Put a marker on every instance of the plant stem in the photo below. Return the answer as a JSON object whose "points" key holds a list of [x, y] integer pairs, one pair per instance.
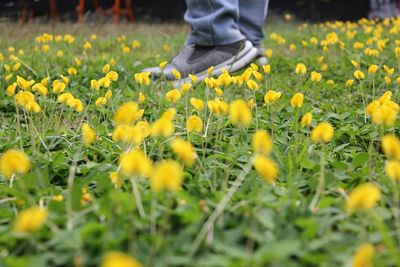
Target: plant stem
{"points": [[321, 184], [387, 239], [218, 210], [138, 199]]}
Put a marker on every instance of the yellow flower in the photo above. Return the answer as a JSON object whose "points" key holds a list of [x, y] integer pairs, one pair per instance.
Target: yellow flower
{"points": [[193, 78], [58, 198], [257, 75], [218, 91], [69, 39], [194, 124], [162, 127], [58, 87], [198, 104], [218, 107], [88, 134], [118, 259], [372, 69], [372, 107], [349, 82], [363, 197], [176, 74], [262, 142], [38, 87], [267, 69], [72, 71], [142, 98], [134, 162], [16, 66], [135, 44], [8, 77], [323, 133], [184, 151], [142, 78], [7, 68], [101, 101], [166, 48], [173, 95], [65, 98], [385, 97], [251, 104], [292, 47], [104, 82], [112, 75], [316, 76], [128, 134], [186, 87], [268, 53], [77, 105], [306, 119], [391, 146], [363, 256], [166, 175], [388, 80], [297, 100], [271, 96], [252, 85], [144, 128], [45, 81], [359, 75], [45, 48], [106, 68], [239, 113], [125, 114], [24, 84], [388, 70], [392, 169], [267, 168], [162, 64], [116, 179], [87, 45], [108, 94], [225, 79], [355, 63], [385, 114], [210, 70], [94, 84], [14, 162], [169, 114], [300, 68], [30, 220], [11, 89]]}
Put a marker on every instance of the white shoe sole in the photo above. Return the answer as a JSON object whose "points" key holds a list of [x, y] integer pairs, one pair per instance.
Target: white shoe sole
{"points": [[245, 56]]}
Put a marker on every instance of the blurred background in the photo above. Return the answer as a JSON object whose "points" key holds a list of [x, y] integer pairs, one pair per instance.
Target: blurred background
{"points": [[172, 10]]}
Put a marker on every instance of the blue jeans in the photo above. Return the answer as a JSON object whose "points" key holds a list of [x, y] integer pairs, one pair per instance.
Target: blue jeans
{"points": [[220, 22]]}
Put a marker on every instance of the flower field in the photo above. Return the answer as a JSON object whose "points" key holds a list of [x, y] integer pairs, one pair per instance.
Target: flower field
{"points": [[294, 163]]}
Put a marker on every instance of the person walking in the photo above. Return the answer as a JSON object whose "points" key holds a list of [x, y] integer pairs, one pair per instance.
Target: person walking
{"points": [[383, 9], [225, 34]]}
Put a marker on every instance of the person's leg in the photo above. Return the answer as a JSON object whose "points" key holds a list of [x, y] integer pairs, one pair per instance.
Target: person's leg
{"points": [[213, 22], [382, 9], [215, 40], [252, 14]]}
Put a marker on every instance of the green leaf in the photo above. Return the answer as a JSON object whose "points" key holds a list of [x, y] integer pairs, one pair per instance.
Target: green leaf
{"points": [[360, 159]]}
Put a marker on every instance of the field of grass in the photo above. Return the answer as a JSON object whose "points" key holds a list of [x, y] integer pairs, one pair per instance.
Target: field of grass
{"points": [[295, 163]]}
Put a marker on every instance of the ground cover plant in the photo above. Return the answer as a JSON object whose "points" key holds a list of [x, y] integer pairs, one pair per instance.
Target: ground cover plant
{"points": [[294, 163]]}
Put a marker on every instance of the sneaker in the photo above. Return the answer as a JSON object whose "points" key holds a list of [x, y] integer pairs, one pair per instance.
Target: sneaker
{"points": [[261, 58], [196, 60]]}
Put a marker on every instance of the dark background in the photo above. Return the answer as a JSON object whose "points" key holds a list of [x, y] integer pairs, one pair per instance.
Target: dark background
{"points": [[172, 10]]}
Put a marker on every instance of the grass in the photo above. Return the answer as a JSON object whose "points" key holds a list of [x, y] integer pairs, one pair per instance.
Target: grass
{"points": [[224, 213]]}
